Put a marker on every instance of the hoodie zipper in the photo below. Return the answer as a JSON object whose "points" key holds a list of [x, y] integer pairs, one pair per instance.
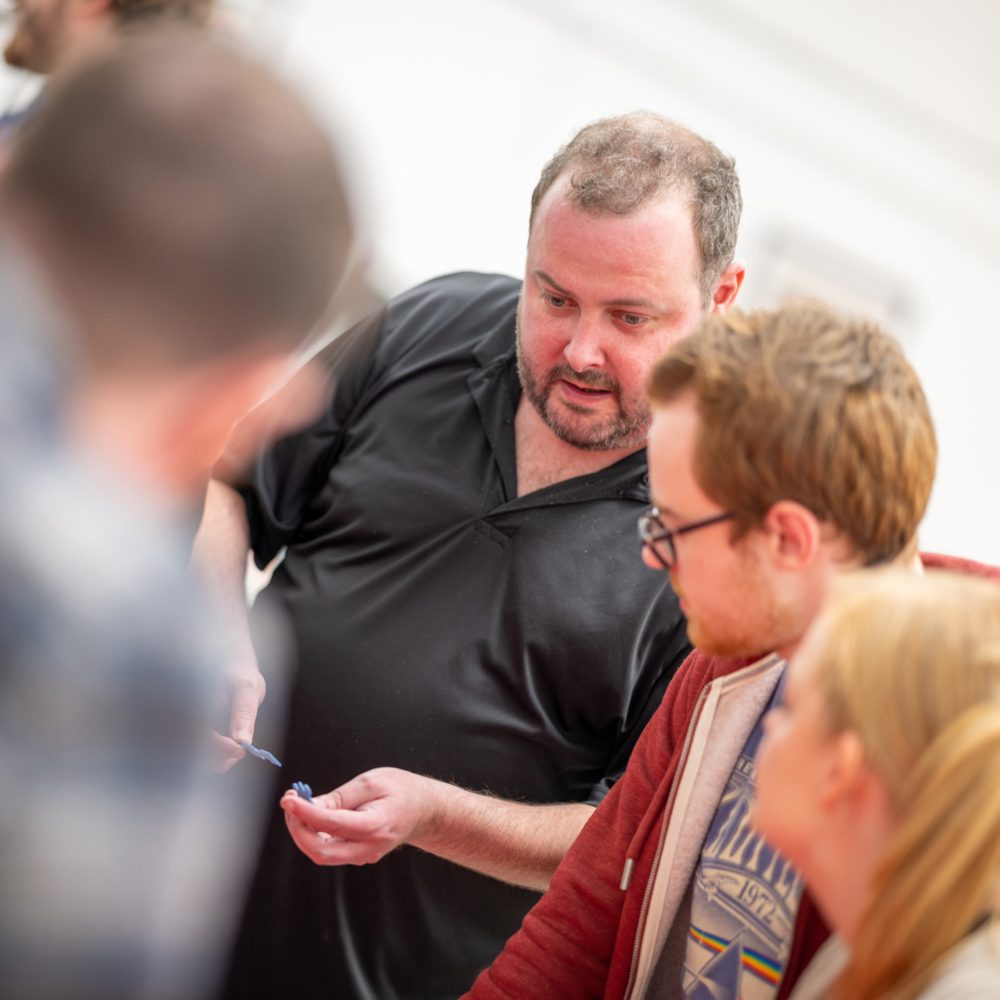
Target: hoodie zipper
{"points": [[667, 809]]}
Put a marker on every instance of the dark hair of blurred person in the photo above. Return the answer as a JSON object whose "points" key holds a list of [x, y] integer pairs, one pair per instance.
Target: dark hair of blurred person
{"points": [[188, 213]]}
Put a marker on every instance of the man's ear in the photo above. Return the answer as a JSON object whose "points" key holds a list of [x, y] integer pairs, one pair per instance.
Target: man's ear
{"points": [[728, 287], [793, 534]]}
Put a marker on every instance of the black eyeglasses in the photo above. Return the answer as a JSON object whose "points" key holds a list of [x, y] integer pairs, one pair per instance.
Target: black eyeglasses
{"points": [[660, 538]]}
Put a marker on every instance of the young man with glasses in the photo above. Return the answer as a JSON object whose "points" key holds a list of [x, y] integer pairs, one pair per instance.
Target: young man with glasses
{"points": [[786, 448]]}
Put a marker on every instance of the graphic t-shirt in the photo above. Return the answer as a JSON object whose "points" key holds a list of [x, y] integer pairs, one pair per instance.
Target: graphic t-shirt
{"points": [[745, 897]]}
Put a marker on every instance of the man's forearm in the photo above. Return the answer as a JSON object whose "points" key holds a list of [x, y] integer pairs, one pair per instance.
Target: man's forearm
{"points": [[376, 812], [512, 841], [219, 556]]}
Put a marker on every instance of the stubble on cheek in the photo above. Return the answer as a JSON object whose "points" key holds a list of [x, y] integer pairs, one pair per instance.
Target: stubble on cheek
{"points": [[579, 425]]}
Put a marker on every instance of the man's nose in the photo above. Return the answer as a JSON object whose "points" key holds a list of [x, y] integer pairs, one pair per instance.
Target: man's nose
{"points": [[585, 347]]}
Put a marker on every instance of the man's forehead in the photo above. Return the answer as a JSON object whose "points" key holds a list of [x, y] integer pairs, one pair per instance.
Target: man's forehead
{"points": [[676, 420], [562, 194], [648, 253], [670, 452]]}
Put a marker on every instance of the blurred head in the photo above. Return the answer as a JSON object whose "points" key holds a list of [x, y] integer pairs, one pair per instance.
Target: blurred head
{"points": [[47, 33], [898, 683], [810, 431], [633, 226], [187, 213]]}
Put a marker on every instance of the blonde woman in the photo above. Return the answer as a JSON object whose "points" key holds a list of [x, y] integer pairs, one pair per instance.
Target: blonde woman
{"points": [[879, 778]]}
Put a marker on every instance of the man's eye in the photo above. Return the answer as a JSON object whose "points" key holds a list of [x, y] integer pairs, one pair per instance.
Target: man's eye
{"points": [[631, 319], [556, 301]]}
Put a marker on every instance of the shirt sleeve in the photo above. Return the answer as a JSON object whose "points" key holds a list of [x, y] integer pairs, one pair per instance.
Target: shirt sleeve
{"points": [[658, 668], [282, 481]]}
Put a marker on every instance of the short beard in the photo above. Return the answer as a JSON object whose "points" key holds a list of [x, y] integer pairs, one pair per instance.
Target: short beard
{"points": [[771, 623], [627, 429]]}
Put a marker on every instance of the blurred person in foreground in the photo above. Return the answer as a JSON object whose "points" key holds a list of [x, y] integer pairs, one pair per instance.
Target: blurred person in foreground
{"points": [[172, 225], [787, 447], [464, 604], [880, 780], [50, 37]]}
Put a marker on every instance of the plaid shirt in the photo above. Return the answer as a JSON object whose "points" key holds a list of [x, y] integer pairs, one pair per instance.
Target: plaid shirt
{"points": [[118, 849]]}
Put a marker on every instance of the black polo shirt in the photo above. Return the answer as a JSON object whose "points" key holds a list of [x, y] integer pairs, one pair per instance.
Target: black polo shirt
{"points": [[515, 645]]}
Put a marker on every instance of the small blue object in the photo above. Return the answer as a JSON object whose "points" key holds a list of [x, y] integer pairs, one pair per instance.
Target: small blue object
{"points": [[303, 790], [257, 752]]}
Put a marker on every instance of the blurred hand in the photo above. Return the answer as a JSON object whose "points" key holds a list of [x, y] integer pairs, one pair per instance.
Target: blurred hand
{"points": [[246, 688], [362, 821]]}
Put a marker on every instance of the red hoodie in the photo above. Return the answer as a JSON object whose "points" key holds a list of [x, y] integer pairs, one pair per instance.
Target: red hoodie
{"points": [[582, 938]]}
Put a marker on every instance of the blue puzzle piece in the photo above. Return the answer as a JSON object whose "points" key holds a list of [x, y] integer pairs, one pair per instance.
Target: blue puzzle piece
{"points": [[257, 752]]}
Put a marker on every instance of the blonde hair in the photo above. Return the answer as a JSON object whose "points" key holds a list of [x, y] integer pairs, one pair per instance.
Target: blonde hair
{"points": [[802, 403], [912, 665]]}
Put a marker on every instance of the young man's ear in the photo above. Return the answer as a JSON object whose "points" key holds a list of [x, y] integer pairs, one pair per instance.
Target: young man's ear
{"points": [[728, 287], [793, 533]]}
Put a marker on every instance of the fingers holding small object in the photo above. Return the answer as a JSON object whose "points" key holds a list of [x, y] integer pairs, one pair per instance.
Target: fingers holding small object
{"points": [[323, 848], [318, 815], [224, 752]]}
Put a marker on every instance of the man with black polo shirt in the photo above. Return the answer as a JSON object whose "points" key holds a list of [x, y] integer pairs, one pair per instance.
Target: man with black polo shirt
{"points": [[455, 577]]}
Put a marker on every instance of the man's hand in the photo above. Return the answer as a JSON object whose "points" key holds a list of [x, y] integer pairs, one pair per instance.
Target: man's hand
{"points": [[219, 559], [245, 687], [362, 821]]}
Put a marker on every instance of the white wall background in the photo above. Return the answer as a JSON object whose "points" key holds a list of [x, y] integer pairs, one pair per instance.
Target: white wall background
{"points": [[867, 136]]}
